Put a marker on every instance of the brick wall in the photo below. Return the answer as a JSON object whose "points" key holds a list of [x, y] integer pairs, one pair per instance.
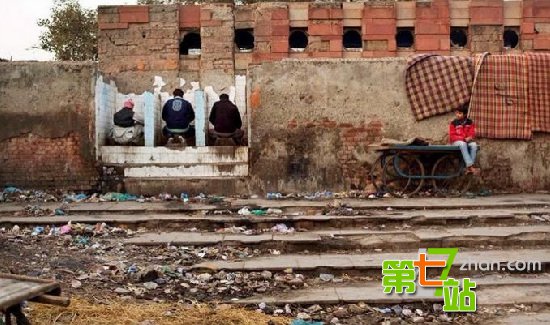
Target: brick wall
{"points": [[138, 42], [48, 130], [35, 161]]}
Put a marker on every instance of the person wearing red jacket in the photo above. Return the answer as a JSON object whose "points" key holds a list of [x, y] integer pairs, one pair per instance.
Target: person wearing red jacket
{"points": [[461, 133]]}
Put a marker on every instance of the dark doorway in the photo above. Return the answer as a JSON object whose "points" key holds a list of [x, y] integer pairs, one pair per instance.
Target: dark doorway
{"points": [[405, 37], [244, 38], [352, 39], [459, 37], [511, 37], [298, 38], [191, 40]]}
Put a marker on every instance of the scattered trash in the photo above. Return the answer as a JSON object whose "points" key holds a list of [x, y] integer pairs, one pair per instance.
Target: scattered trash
{"points": [[184, 197], [37, 231], [118, 197], [282, 228], [274, 211], [273, 196], [244, 212], [326, 277], [259, 212], [76, 284]]}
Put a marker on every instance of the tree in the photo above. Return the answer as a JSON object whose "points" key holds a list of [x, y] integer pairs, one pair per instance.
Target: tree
{"points": [[71, 32]]}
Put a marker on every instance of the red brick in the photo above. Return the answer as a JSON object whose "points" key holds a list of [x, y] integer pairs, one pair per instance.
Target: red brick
{"points": [[279, 14], [336, 45], [487, 3], [190, 16], [336, 13], [426, 44], [379, 12], [319, 13], [528, 9], [541, 12], [279, 46], [487, 16], [426, 27], [280, 30], [133, 14], [324, 29], [527, 28], [431, 12], [380, 29], [105, 26], [244, 14], [540, 43], [262, 30]]}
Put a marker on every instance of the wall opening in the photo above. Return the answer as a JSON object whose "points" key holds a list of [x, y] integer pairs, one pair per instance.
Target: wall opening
{"points": [[510, 37], [405, 37], [244, 39], [298, 38], [352, 39], [191, 44], [459, 37]]}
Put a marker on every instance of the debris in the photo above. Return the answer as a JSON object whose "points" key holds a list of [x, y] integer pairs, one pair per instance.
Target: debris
{"points": [[76, 284], [300, 321], [418, 319], [150, 285], [406, 312], [244, 212], [258, 212], [326, 277], [303, 316], [281, 227], [274, 196], [274, 211], [37, 231]]}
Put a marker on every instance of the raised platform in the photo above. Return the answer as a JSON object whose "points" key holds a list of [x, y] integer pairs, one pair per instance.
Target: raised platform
{"points": [[168, 163]]}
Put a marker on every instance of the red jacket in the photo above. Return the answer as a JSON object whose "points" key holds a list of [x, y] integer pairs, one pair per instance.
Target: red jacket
{"points": [[461, 129]]}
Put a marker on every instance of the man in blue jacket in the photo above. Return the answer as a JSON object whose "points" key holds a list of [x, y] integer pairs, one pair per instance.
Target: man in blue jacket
{"points": [[178, 113]]}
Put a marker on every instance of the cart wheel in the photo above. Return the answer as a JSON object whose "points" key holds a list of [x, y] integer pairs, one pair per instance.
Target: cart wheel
{"points": [[377, 170], [452, 186], [395, 184]]}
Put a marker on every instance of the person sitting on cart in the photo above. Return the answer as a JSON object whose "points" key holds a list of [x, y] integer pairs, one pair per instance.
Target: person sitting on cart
{"points": [[461, 133]]}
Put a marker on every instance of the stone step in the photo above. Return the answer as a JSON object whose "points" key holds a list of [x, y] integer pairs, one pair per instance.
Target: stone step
{"points": [[490, 291], [311, 262], [432, 236], [127, 156], [375, 217], [494, 202]]}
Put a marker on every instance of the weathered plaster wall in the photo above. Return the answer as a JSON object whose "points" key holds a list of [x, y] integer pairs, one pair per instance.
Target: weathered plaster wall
{"points": [[315, 119], [47, 119]]}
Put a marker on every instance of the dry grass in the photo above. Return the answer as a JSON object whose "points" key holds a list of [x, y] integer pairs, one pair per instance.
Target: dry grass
{"points": [[83, 312]]}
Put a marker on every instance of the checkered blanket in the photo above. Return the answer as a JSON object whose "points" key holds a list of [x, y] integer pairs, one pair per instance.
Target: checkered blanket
{"points": [[499, 104], [539, 90], [437, 84]]}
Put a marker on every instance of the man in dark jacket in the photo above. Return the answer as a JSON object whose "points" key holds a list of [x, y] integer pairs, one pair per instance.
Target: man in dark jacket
{"points": [[127, 128], [226, 119], [178, 113]]}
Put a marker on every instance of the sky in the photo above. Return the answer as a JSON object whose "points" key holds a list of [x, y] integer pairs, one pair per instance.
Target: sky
{"points": [[19, 31]]}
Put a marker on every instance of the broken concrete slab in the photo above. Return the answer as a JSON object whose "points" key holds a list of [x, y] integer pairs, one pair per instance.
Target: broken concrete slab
{"points": [[366, 238], [374, 261], [413, 216], [490, 291], [525, 319]]}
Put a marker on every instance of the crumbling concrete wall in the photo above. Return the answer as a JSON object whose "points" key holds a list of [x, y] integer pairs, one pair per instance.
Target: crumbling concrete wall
{"points": [[47, 118], [315, 119]]}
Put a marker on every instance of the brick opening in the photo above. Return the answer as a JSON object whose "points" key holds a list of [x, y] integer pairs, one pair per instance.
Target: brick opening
{"points": [[459, 37], [510, 37], [298, 38], [405, 37], [191, 44], [352, 39], [244, 39]]}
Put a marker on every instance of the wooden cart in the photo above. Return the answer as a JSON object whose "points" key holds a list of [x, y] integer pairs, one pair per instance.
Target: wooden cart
{"points": [[15, 289], [405, 169]]}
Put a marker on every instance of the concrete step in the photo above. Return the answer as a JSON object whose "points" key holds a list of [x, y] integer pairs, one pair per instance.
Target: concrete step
{"points": [[489, 291], [356, 238], [310, 222], [128, 156], [311, 262], [500, 202]]}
